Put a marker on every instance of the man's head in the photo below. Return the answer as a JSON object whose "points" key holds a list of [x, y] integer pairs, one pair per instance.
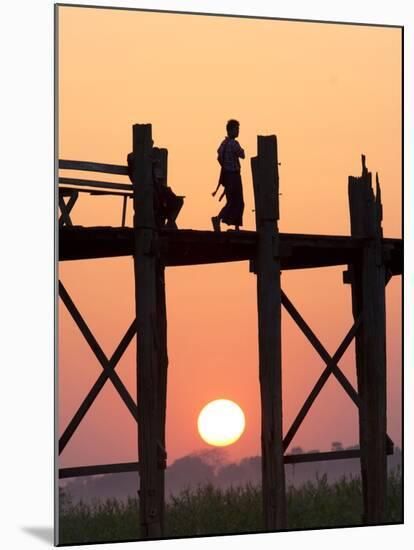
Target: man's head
{"points": [[232, 128]]}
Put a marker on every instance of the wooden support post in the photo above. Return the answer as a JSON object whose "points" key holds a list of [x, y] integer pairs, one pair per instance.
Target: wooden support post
{"points": [[151, 501], [368, 280], [267, 266], [124, 208], [162, 356], [164, 165]]}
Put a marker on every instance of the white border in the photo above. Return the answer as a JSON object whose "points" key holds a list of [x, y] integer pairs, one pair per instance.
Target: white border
{"points": [[26, 217]]}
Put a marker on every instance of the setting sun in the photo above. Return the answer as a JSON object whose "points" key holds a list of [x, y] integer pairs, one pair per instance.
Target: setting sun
{"points": [[221, 422]]}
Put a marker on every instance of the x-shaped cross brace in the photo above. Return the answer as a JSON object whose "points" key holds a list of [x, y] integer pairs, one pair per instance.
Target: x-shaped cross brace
{"points": [[66, 207], [108, 366], [331, 367]]}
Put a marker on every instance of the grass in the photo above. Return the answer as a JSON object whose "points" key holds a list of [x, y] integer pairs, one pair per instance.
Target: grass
{"points": [[208, 510]]}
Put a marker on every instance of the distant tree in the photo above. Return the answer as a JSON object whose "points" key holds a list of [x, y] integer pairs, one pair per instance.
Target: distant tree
{"points": [[336, 446], [314, 451], [296, 451], [252, 469], [186, 472], [230, 474], [215, 458]]}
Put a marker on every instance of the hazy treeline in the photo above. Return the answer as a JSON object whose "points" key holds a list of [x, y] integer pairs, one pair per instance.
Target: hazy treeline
{"points": [[212, 467]]}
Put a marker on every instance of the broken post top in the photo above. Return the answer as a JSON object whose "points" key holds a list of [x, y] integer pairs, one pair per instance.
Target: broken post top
{"points": [[142, 144], [266, 179], [142, 176], [364, 206]]}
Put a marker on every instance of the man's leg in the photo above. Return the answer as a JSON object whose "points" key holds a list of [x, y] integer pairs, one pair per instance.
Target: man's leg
{"points": [[215, 220]]}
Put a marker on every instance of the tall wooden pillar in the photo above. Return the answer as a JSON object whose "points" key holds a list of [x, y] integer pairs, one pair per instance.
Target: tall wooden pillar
{"points": [[162, 356], [267, 268], [368, 280], [151, 339]]}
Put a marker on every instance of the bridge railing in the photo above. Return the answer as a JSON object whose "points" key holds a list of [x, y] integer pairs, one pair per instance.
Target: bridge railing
{"points": [[70, 187]]}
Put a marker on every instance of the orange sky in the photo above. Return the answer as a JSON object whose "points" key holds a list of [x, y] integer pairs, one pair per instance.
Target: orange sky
{"points": [[330, 93]]}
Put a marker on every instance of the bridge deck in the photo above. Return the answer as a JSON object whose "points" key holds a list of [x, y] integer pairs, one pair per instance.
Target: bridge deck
{"points": [[191, 247]]}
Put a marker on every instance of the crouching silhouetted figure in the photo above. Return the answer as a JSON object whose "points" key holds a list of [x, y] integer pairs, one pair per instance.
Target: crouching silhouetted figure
{"points": [[167, 204]]}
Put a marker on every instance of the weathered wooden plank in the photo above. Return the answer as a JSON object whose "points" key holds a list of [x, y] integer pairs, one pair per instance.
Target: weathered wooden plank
{"points": [[145, 245], [321, 457], [267, 262], [368, 279], [93, 167], [99, 469], [162, 366], [124, 208], [67, 191], [162, 356], [325, 456], [106, 193], [95, 183], [189, 247]]}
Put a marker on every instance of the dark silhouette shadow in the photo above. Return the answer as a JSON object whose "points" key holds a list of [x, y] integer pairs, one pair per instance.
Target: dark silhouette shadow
{"points": [[167, 204], [42, 533]]}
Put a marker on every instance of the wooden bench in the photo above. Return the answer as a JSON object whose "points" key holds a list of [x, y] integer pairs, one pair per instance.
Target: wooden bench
{"points": [[69, 188]]}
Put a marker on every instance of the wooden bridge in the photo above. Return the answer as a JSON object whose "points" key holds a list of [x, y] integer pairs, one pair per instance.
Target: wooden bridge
{"points": [[370, 260]]}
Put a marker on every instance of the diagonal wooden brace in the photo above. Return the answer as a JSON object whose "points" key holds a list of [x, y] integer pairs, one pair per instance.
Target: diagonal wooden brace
{"points": [[96, 388], [107, 365], [316, 343], [331, 362], [66, 207]]}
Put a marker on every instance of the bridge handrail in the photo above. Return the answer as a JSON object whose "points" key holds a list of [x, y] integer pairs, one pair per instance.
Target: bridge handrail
{"points": [[94, 183], [93, 167], [89, 166]]}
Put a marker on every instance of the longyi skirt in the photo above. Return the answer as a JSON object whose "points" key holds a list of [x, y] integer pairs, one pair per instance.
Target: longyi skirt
{"points": [[232, 212]]}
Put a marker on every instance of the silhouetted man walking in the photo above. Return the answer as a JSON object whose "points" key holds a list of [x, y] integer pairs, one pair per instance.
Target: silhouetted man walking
{"points": [[229, 154]]}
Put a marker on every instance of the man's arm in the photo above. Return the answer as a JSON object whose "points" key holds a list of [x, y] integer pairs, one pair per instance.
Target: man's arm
{"points": [[238, 150], [217, 188]]}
